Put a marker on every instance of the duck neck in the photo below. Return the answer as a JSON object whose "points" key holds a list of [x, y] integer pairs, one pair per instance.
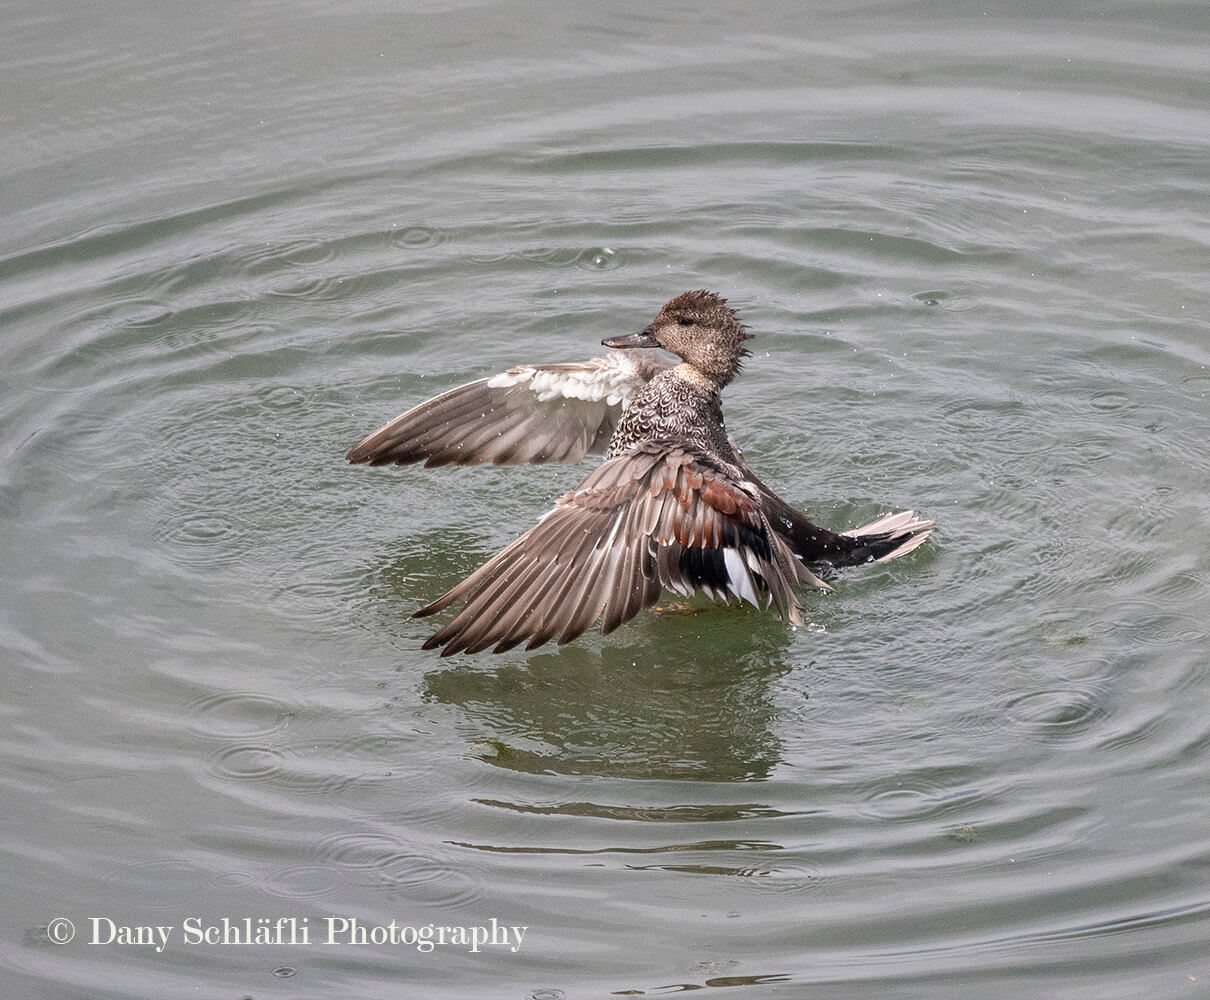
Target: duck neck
{"points": [[683, 407], [712, 382]]}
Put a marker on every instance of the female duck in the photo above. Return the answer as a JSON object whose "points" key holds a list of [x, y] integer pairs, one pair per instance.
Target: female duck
{"points": [[674, 505]]}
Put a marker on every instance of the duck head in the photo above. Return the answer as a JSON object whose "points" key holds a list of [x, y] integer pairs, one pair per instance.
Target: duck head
{"points": [[699, 328]]}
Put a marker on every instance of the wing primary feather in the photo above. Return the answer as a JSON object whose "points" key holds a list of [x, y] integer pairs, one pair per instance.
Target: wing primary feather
{"points": [[533, 607]]}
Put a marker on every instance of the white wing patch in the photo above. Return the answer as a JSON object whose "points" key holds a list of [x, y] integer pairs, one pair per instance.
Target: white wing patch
{"points": [[610, 380], [739, 577]]}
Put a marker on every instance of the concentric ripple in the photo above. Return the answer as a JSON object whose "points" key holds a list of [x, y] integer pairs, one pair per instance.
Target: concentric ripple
{"points": [[240, 715], [249, 762], [916, 797], [1056, 713], [413, 238], [388, 863], [302, 882], [201, 538]]}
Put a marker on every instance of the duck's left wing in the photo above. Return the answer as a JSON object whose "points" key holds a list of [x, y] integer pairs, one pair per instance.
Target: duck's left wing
{"points": [[657, 516], [531, 413]]}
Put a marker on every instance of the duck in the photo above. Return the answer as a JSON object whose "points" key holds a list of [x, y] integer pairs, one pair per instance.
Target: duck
{"points": [[673, 506]]}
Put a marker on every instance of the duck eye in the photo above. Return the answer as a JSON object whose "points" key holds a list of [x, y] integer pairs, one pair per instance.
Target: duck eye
{"points": [[685, 321]]}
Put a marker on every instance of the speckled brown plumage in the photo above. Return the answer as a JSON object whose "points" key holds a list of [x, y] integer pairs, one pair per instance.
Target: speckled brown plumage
{"points": [[674, 505]]}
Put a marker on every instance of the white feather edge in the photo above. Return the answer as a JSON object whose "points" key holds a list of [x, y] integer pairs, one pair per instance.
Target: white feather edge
{"points": [[600, 380]]}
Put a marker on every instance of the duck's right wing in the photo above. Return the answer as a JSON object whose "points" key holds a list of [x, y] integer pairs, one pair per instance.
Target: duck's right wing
{"points": [[531, 413], [654, 517]]}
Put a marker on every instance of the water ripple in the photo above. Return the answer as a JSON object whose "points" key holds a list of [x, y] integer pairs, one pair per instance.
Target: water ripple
{"points": [[320, 288], [1196, 385], [1056, 712], [430, 881], [271, 259], [234, 880], [200, 538], [949, 301], [1139, 728], [240, 714], [411, 238], [302, 882], [248, 762], [328, 767], [600, 259], [915, 797], [387, 862], [793, 880], [363, 851], [155, 882], [647, 814]]}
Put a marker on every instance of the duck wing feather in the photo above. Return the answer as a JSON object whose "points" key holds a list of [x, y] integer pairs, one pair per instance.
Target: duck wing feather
{"points": [[658, 516], [531, 413]]}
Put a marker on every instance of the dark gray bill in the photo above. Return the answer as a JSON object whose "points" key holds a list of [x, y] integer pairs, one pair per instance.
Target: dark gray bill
{"points": [[644, 338]]}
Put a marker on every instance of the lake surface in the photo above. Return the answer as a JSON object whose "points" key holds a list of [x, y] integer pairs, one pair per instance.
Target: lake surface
{"points": [[974, 248]]}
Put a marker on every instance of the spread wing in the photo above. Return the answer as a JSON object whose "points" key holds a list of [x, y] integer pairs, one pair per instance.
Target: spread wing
{"points": [[655, 517], [532, 413]]}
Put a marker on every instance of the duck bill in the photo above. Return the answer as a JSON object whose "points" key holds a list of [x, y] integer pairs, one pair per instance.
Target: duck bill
{"points": [[644, 338]]}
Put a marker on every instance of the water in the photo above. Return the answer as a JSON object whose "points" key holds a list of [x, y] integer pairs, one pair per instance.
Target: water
{"points": [[972, 245]]}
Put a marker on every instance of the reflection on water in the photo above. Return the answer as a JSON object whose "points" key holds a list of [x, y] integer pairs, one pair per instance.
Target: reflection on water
{"points": [[681, 692], [663, 708]]}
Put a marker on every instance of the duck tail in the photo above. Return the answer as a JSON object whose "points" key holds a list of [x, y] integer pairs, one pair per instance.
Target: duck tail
{"points": [[887, 537]]}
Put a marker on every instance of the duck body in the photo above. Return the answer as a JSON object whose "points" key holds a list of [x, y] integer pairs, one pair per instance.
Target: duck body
{"points": [[673, 506]]}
